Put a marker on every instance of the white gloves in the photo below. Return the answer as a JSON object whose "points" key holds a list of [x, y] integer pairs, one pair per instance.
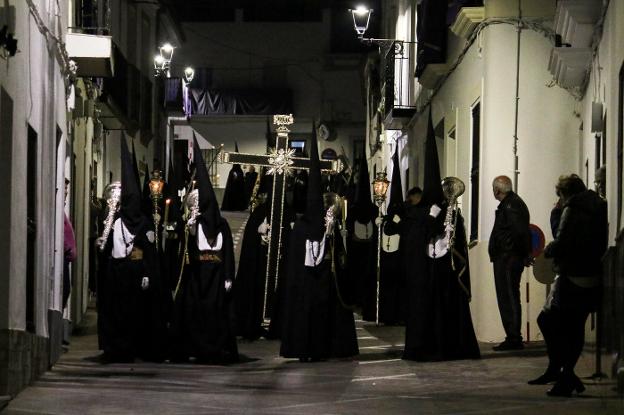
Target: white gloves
{"points": [[378, 221], [228, 285], [99, 242], [264, 227], [145, 283], [435, 211]]}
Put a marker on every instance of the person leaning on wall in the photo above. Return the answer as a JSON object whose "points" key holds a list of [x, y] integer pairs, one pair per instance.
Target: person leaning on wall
{"points": [[579, 244]]}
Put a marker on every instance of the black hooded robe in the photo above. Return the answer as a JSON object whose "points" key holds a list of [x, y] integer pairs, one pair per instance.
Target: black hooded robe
{"points": [[203, 318], [250, 284], [316, 323], [362, 247], [135, 324], [203, 313], [299, 190], [439, 325], [250, 182], [234, 195]]}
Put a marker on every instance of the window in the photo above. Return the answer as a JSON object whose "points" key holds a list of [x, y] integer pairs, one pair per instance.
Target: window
{"points": [[474, 172], [31, 227], [6, 169], [298, 145]]}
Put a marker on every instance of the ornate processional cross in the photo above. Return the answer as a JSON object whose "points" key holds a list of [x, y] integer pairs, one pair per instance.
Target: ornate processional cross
{"points": [[280, 162]]}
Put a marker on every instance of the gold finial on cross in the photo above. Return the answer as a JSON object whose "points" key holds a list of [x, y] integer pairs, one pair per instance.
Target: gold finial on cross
{"points": [[283, 121]]}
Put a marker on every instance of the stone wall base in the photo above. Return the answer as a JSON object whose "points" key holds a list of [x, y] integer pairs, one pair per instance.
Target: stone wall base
{"points": [[23, 357]]}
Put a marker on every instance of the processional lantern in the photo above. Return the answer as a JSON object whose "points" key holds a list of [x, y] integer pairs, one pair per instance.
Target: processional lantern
{"points": [[156, 185], [380, 188]]}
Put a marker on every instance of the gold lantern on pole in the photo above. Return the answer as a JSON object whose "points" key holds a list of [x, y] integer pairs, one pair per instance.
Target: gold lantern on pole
{"points": [[380, 188]]}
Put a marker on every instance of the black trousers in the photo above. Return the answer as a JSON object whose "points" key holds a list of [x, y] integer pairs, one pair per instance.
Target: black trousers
{"points": [[507, 275], [66, 282], [563, 324]]}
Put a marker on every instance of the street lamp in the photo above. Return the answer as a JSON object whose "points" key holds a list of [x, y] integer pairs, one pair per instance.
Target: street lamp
{"points": [[166, 51], [162, 61], [361, 18], [156, 185], [189, 74], [380, 188]]}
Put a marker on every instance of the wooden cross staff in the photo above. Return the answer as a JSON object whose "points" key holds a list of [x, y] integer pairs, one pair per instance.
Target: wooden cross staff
{"points": [[280, 162]]}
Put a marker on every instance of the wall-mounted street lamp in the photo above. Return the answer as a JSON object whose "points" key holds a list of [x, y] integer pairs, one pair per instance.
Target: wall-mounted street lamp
{"points": [[162, 61], [166, 51], [189, 74], [361, 19]]}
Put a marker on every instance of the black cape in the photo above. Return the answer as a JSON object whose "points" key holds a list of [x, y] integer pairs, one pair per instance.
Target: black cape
{"points": [[439, 324], [133, 319], [299, 191], [392, 287], [203, 322], [317, 325], [361, 266], [234, 195], [251, 279]]}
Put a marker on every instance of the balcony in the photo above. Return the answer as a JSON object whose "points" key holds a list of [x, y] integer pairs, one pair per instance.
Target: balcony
{"points": [[92, 53], [467, 20], [574, 23]]}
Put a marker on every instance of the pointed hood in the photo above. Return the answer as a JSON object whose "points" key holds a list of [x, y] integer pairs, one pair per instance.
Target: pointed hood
{"points": [[208, 205], [432, 186], [395, 203], [363, 207], [130, 211], [135, 165], [314, 213]]}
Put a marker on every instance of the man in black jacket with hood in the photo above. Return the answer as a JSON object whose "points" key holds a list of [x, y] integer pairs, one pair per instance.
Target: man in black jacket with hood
{"points": [[509, 248]]}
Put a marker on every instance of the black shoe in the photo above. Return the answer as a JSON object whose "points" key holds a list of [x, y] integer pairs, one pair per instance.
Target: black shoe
{"points": [[546, 378], [565, 386], [507, 345]]}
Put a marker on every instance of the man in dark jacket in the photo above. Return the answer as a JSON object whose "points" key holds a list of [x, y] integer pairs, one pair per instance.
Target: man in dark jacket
{"points": [[509, 249], [577, 250]]}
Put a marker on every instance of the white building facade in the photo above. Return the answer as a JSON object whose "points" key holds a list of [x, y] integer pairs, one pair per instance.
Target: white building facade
{"points": [[570, 57]]}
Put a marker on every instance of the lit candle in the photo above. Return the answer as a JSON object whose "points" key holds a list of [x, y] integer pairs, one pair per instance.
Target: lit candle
{"points": [[344, 212], [167, 203]]}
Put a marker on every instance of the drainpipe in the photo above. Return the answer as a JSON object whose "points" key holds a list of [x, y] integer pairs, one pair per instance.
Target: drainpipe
{"points": [[515, 145]]}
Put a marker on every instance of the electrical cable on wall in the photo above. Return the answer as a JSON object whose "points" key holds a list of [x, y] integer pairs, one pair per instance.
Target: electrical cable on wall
{"points": [[68, 68]]}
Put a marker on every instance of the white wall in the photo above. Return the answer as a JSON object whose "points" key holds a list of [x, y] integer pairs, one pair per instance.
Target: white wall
{"points": [[32, 79], [547, 148]]}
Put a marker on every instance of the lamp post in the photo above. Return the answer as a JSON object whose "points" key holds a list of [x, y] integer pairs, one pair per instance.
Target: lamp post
{"points": [[380, 187], [156, 187]]}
